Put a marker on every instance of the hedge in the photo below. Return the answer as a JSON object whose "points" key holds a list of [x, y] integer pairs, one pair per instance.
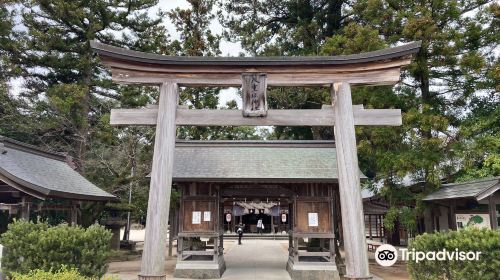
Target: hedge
{"points": [[470, 239], [62, 274], [30, 246]]}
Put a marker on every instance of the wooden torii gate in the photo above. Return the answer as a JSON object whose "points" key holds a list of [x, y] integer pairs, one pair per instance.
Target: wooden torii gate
{"points": [[254, 74]]}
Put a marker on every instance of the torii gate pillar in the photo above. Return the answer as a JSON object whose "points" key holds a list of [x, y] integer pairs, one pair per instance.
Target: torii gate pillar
{"points": [[153, 257], [356, 258]]}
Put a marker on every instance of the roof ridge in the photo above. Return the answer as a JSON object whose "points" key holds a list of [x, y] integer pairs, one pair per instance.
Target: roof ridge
{"points": [[256, 143], [473, 181], [29, 148]]}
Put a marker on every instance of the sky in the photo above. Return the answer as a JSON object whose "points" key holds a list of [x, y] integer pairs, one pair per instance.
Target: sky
{"points": [[227, 48]]}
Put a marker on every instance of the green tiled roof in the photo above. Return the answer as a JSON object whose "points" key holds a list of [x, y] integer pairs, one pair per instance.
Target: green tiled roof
{"points": [[44, 174], [278, 161], [477, 189]]}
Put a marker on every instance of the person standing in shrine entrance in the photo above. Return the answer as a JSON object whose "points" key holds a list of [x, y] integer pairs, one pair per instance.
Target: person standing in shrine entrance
{"points": [[260, 226], [239, 231]]}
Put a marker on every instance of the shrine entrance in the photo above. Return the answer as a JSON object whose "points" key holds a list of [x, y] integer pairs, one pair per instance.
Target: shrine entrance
{"points": [[296, 197], [249, 213], [247, 204], [201, 209]]}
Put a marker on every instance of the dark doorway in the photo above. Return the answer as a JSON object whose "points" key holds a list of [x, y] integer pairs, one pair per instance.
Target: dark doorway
{"points": [[250, 222]]}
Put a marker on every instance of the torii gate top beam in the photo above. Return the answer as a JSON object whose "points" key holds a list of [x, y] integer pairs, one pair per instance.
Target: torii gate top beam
{"points": [[380, 67]]}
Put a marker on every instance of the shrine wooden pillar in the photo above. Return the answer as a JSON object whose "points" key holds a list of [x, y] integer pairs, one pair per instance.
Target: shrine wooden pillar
{"points": [[75, 205], [493, 211], [356, 258], [25, 208], [153, 257]]}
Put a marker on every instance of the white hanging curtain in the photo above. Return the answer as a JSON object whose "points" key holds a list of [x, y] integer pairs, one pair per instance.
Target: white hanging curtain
{"points": [[265, 206]]}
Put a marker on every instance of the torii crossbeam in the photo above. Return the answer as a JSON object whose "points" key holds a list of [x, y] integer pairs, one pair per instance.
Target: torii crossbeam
{"points": [[254, 74]]}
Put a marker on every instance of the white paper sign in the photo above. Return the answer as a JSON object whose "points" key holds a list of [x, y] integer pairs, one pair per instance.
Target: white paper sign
{"points": [[313, 219], [196, 218], [206, 216], [228, 217]]}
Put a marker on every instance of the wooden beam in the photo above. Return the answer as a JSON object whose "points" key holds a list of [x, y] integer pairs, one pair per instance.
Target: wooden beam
{"points": [[388, 76], [153, 257], [356, 258], [493, 211], [208, 117], [452, 212], [25, 208]]}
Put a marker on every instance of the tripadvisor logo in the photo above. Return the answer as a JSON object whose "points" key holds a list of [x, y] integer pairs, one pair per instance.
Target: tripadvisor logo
{"points": [[387, 255]]}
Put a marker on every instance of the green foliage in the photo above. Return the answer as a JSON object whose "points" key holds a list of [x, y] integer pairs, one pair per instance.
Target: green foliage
{"points": [[124, 207], [390, 218], [408, 218], [353, 39], [451, 73], [32, 246], [57, 62], [470, 239], [282, 27], [62, 274]]}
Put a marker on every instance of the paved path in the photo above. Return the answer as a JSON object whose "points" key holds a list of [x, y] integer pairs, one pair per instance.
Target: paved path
{"points": [[257, 260]]}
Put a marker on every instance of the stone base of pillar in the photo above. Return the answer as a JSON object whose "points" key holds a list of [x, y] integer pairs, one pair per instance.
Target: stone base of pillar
{"points": [[312, 270], [341, 268], [371, 277], [150, 277], [200, 269]]}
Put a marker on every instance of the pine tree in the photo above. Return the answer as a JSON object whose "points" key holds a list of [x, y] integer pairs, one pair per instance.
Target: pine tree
{"points": [[447, 95], [289, 27], [451, 72], [11, 123], [67, 89]]}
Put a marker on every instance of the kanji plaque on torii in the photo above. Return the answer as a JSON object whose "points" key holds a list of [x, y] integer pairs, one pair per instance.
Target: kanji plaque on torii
{"points": [[381, 67], [254, 94]]}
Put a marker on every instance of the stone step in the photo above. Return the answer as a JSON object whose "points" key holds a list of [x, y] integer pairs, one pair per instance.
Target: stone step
{"points": [[257, 236]]}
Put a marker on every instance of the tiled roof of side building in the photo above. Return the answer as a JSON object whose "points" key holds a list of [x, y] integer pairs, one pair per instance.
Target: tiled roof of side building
{"points": [[44, 174], [477, 189]]}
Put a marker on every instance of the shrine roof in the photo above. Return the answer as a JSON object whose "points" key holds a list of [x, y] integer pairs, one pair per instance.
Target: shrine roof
{"points": [[149, 58], [477, 189], [44, 174], [252, 161]]}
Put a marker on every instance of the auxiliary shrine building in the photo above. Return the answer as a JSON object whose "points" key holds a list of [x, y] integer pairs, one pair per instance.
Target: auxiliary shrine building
{"points": [[35, 183]]}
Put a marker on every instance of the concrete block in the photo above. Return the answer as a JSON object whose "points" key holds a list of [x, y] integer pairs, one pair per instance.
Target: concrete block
{"points": [[312, 270], [200, 269]]}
